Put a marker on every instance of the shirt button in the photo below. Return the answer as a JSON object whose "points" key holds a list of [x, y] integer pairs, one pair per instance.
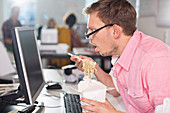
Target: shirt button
{"points": [[130, 106]]}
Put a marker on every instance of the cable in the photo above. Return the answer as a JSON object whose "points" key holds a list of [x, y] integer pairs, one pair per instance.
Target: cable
{"points": [[28, 109], [40, 106], [58, 97], [50, 106]]}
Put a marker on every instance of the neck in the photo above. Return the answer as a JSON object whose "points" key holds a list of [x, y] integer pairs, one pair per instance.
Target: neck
{"points": [[124, 40]]}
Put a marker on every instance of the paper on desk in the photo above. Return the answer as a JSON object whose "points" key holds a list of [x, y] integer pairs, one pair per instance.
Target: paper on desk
{"points": [[8, 87], [14, 111], [5, 63]]}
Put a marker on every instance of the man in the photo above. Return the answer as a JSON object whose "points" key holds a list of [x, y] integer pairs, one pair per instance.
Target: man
{"points": [[8, 25], [141, 74]]}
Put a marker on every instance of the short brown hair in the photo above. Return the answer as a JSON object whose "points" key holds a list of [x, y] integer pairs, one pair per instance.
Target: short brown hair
{"points": [[119, 12]]}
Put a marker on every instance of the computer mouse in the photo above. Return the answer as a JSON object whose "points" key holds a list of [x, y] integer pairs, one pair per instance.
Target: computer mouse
{"points": [[54, 86]]}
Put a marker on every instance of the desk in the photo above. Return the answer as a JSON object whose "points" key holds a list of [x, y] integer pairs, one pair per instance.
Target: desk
{"points": [[81, 51], [56, 75]]}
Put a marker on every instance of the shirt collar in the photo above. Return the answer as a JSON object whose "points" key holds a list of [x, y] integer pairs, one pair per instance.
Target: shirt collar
{"points": [[128, 53]]}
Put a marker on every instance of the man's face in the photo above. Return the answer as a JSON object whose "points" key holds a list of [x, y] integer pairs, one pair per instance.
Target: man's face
{"points": [[102, 39]]}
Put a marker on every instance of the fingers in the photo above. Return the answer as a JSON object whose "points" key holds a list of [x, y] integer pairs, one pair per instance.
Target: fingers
{"points": [[93, 102], [88, 112], [78, 62], [93, 105], [89, 108], [98, 107], [89, 101], [79, 65], [107, 102], [74, 58], [85, 57]]}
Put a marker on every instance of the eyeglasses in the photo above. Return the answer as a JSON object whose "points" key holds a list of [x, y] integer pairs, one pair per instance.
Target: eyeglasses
{"points": [[87, 35]]}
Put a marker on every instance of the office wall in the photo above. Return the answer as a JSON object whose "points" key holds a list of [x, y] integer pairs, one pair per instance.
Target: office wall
{"points": [[149, 20], [57, 9], [148, 26]]}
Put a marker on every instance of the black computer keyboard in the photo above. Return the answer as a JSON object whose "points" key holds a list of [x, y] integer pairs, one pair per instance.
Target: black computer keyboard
{"points": [[72, 103]]}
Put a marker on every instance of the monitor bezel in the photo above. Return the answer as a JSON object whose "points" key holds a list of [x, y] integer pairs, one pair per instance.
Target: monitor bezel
{"points": [[21, 68]]}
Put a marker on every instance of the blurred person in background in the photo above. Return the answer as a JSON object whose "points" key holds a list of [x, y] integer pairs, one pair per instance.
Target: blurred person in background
{"points": [[51, 23], [70, 20], [8, 25]]}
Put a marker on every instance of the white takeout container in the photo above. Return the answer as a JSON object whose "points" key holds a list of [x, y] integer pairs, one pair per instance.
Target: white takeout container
{"points": [[92, 89]]}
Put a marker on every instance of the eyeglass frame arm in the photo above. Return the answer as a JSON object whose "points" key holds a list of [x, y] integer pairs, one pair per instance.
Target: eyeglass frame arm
{"points": [[87, 35]]}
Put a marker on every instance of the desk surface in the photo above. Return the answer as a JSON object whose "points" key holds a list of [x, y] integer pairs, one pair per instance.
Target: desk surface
{"points": [[57, 75], [51, 101]]}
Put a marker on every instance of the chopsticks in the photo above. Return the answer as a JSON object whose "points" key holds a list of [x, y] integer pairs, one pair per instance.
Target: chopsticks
{"points": [[80, 58], [76, 56]]}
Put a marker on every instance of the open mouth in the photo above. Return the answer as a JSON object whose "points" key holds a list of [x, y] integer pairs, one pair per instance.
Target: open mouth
{"points": [[96, 49]]}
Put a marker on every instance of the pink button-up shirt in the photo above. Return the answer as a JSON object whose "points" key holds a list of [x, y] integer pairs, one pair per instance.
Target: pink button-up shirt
{"points": [[143, 73]]}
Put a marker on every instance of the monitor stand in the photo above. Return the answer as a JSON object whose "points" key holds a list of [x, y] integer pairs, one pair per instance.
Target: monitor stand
{"points": [[6, 108], [31, 108], [11, 98]]}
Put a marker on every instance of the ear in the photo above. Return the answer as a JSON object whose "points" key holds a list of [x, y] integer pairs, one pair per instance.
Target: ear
{"points": [[116, 31]]}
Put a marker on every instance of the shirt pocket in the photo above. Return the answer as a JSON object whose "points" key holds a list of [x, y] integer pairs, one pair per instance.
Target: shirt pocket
{"points": [[140, 100]]}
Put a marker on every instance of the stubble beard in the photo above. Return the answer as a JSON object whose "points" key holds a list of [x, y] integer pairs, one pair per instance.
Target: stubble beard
{"points": [[112, 52]]}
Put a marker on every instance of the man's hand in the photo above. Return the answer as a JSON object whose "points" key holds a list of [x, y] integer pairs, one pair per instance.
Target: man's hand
{"points": [[79, 63], [98, 107]]}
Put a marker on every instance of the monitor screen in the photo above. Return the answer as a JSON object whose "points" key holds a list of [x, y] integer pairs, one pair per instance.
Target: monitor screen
{"points": [[49, 36], [28, 63]]}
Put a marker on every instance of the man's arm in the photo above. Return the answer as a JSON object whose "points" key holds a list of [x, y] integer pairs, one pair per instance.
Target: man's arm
{"points": [[101, 76], [5, 31], [106, 79]]}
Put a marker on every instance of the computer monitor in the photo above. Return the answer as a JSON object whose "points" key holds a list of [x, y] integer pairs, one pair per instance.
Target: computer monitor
{"points": [[49, 36], [28, 63]]}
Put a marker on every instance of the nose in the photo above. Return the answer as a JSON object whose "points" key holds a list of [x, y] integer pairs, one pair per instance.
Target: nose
{"points": [[89, 36], [91, 39]]}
